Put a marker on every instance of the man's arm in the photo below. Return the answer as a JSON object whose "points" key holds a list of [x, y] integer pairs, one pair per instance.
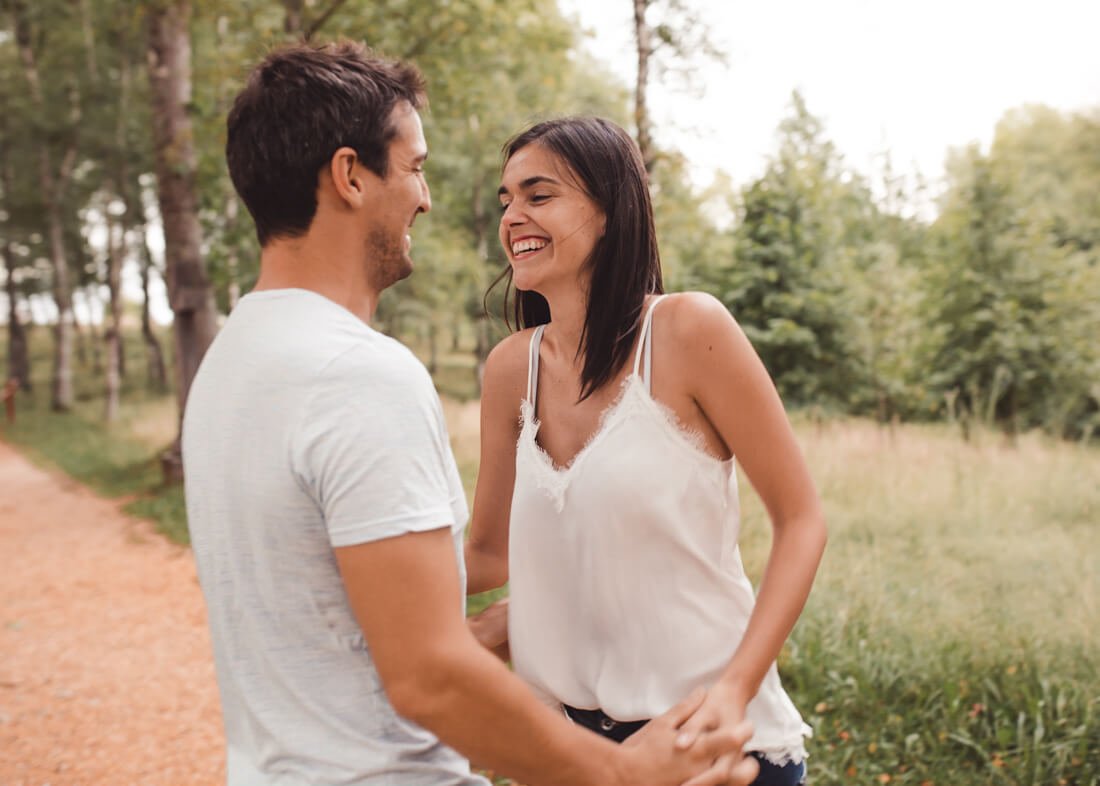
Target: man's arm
{"points": [[406, 594]]}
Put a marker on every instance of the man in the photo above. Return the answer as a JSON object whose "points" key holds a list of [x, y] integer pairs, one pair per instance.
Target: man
{"points": [[325, 508]]}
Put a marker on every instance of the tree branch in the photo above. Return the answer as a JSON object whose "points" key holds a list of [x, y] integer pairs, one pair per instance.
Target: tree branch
{"points": [[320, 21]]}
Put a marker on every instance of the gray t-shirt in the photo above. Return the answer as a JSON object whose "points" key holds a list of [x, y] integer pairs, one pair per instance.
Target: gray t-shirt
{"points": [[306, 430]]}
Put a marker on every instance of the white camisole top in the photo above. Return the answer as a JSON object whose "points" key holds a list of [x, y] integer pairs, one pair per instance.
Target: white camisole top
{"points": [[626, 584]]}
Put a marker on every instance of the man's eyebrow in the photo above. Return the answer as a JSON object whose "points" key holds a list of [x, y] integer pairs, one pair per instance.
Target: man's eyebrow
{"points": [[531, 181], [420, 159]]}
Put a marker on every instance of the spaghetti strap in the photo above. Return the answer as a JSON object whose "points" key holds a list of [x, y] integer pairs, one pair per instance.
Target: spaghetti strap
{"points": [[645, 346], [533, 367]]}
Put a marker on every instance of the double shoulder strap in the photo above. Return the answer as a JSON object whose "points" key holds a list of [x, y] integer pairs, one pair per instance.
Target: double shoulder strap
{"points": [[645, 350]]}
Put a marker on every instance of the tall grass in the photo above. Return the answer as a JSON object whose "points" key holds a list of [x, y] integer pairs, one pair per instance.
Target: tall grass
{"points": [[950, 639], [951, 634]]}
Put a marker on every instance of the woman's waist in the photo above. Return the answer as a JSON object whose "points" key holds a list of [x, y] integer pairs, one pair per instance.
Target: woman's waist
{"points": [[628, 691], [634, 661]]}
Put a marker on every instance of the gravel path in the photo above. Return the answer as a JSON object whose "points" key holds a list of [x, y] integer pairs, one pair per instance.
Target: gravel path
{"points": [[105, 668]]}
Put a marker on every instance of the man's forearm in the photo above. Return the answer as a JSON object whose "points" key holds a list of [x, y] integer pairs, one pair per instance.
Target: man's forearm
{"points": [[473, 703]]}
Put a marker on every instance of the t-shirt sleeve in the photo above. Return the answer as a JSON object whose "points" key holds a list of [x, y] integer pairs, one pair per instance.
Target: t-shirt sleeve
{"points": [[371, 451]]}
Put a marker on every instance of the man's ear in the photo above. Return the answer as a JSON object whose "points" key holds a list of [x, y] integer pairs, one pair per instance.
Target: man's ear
{"points": [[346, 177]]}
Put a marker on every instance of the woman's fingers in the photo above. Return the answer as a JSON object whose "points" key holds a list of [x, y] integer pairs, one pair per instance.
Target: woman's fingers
{"points": [[727, 740], [676, 716]]}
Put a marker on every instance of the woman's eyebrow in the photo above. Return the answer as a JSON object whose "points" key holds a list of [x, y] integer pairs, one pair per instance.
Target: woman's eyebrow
{"points": [[531, 181]]}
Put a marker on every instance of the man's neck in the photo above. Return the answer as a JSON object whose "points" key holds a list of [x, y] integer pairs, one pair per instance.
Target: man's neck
{"points": [[299, 264]]}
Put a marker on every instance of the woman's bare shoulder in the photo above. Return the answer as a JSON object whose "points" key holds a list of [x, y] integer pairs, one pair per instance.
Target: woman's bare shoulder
{"points": [[506, 366], [689, 317]]}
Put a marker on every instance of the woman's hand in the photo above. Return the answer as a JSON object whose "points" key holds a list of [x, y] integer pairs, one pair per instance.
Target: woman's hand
{"points": [[716, 757], [490, 628], [722, 710]]}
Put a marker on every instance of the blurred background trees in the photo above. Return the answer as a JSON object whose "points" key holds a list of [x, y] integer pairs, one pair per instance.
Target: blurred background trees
{"points": [[983, 308]]}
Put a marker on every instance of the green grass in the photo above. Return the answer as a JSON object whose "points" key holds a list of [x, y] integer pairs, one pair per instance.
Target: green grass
{"points": [[950, 637]]}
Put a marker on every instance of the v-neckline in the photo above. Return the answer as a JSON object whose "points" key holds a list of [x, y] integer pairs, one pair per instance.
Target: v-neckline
{"points": [[530, 421]]}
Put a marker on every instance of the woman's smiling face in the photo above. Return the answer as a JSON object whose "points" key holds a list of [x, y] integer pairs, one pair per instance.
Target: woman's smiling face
{"points": [[549, 225]]}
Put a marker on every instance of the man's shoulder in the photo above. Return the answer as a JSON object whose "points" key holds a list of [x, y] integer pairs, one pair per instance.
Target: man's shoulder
{"points": [[375, 358]]}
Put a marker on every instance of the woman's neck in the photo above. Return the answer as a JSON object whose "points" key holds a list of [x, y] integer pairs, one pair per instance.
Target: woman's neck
{"points": [[567, 314]]}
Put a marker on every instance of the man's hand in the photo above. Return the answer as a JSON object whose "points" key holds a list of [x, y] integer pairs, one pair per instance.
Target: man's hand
{"points": [[490, 628], [713, 759], [722, 709]]}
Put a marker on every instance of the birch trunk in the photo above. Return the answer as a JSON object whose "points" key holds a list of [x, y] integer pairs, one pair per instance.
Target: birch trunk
{"points": [[189, 291], [52, 185], [643, 40]]}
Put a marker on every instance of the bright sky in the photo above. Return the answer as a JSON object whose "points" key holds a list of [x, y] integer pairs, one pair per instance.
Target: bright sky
{"points": [[914, 78]]}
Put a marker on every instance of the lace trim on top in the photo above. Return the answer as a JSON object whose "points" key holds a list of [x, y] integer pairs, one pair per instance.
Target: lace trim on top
{"points": [[781, 757], [554, 479]]}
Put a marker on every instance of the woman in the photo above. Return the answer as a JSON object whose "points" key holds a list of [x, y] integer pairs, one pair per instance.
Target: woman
{"points": [[607, 494]]}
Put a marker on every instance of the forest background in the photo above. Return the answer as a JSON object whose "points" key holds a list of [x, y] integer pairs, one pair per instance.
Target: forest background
{"points": [[942, 365]]}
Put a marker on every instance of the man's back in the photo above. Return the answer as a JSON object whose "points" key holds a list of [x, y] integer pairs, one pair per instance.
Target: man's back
{"points": [[290, 436]]}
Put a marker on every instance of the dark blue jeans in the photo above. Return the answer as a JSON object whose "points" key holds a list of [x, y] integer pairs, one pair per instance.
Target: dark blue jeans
{"points": [[791, 774]]}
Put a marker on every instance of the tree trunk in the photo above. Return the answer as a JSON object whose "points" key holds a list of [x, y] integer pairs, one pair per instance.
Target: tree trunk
{"points": [[643, 40], [189, 291], [481, 244], [61, 385], [19, 367], [93, 337], [113, 337], [87, 26], [154, 356], [18, 363], [296, 27], [292, 20], [135, 224], [116, 252], [52, 185], [232, 263]]}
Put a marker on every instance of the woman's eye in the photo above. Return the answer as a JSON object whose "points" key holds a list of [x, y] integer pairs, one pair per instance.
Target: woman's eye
{"points": [[537, 198]]}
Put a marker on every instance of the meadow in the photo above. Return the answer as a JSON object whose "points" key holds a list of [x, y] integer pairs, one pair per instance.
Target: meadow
{"points": [[951, 635]]}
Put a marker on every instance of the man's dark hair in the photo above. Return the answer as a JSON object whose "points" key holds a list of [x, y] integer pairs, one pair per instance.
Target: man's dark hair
{"points": [[625, 263], [300, 105]]}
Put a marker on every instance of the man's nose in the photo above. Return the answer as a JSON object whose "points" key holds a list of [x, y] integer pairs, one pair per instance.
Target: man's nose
{"points": [[425, 199]]}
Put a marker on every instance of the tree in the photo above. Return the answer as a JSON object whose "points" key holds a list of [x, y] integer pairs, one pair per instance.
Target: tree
{"points": [[675, 41], [796, 224], [56, 162], [296, 24], [18, 361], [1048, 162], [189, 291], [990, 339]]}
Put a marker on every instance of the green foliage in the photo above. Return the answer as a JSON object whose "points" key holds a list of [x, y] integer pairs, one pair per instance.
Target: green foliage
{"points": [[1011, 286], [855, 302], [986, 295], [784, 285]]}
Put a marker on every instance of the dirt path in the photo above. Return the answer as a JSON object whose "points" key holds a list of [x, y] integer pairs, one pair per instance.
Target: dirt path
{"points": [[105, 669]]}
